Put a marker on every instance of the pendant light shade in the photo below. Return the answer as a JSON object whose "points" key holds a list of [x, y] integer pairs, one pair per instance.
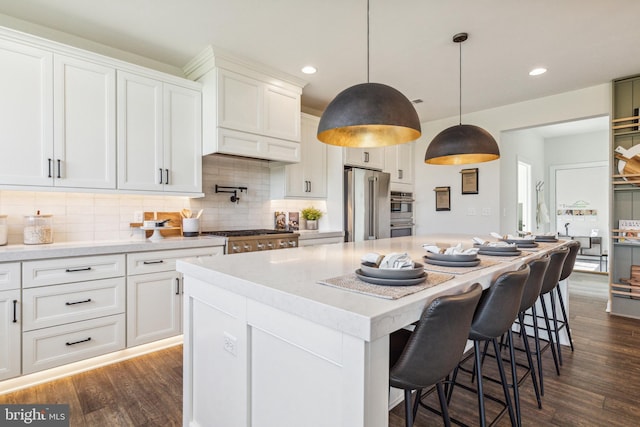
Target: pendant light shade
{"points": [[369, 115], [462, 144]]}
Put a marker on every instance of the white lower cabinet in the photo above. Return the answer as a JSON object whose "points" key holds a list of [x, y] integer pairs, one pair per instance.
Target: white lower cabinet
{"points": [[154, 293], [9, 333], [73, 309], [50, 347], [154, 310]]}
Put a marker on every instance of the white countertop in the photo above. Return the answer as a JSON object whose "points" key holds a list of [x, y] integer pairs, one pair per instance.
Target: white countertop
{"points": [[287, 280], [68, 249]]}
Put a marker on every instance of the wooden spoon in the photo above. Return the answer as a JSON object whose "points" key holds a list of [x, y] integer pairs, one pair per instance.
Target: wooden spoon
{"points": [[186, 213]]}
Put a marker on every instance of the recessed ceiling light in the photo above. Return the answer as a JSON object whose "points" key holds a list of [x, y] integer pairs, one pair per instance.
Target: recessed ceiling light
{"points": [[309, 69], [537, 71]]}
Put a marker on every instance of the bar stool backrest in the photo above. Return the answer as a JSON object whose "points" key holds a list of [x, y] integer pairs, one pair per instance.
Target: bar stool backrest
{"points": [[499, 305], [437, 342], [552, 276], [533, 286], [570, 261]]}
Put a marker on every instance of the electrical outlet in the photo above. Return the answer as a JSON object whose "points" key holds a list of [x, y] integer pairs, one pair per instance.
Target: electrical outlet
{"points": [[486, 211], [137, 216], [471, 211], [230, 344]]}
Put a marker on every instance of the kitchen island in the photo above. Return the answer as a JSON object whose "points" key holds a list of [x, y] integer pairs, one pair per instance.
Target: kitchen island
{"points": [[266, 345]]}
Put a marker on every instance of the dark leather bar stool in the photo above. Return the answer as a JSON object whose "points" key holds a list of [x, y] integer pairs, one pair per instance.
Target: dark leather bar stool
{"points": [[567, 269], [424, 357], [496, 313], [551, 278], [537, 270]]}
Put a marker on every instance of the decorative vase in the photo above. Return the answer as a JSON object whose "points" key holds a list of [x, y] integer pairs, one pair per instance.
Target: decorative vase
{"points": [[312, 224]]}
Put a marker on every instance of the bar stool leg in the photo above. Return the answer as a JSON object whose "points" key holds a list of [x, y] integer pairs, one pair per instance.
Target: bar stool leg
{"points": [[532, 369], [536, 335], [443, 405], [478, 369], [549, 333], [514, 377], [408, 410], [505, 384], [552, 297], [564, 316]]}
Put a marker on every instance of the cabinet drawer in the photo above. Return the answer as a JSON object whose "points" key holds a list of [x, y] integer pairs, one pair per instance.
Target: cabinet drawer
{"points": [[153, 262], [56, 305], [9, 276], [50, 347], [68, 270]]}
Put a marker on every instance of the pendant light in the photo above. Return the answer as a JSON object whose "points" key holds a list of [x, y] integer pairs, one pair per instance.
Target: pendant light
{"points": [[369, 115], [462, 144]]}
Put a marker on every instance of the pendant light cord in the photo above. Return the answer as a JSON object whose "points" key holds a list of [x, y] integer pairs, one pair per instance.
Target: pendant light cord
{"points": [[367, 41], [460, 86]]}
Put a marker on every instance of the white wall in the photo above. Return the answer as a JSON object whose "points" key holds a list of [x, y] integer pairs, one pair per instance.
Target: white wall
{"points": [[589, 102]]}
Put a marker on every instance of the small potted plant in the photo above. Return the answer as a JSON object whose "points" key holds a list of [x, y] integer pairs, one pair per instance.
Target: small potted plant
{"points": [[311, 215]]}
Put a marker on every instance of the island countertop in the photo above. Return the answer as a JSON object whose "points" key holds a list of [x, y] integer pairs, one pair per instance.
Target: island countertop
{"points": [[288, 280]]}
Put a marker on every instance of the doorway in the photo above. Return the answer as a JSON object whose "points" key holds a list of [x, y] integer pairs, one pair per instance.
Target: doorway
{"points": [[523, 215]]}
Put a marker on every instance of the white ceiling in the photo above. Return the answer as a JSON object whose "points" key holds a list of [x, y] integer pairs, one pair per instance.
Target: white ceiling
{"points": [[582, 42]]}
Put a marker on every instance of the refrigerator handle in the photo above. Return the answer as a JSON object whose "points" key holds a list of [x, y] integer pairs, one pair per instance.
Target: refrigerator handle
{"points": [[373, 206]]}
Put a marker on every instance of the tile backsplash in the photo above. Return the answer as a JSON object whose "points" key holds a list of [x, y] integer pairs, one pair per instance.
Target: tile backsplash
{"points": [[95, 216]]}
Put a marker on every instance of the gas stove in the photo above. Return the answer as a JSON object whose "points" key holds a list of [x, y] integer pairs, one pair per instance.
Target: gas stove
{"points": [[244, 233], [239, 241]]}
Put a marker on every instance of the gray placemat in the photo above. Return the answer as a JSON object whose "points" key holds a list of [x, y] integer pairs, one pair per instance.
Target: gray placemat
{"points": [[352, 283], [484, 263]]}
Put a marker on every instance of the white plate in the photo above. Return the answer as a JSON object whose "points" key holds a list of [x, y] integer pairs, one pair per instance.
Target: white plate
{"points": [[391, 282]]}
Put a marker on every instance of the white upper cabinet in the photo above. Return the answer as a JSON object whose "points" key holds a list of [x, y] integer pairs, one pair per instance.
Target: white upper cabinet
{"points": [[307, 179], [249, 110], [370, 158], [26, 128], [159, 143], [84, 149], [58, 129], [399, 163]]}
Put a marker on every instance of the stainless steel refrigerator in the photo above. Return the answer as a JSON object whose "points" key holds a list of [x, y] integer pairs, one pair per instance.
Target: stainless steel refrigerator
{"points": [[367, 205]]}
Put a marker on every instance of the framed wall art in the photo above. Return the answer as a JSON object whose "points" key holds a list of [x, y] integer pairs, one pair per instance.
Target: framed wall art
{"points": [[469, 181], [443, 198]]}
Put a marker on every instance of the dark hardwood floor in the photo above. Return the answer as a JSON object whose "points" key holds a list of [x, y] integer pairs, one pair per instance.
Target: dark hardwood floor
{"points": [[599, 382]]}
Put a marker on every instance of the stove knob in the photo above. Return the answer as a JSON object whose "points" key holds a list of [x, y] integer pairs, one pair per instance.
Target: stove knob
{"points": [[247, 247], [261, 246], [235, 248], [292, 243], [283, 244], [270, 245]]}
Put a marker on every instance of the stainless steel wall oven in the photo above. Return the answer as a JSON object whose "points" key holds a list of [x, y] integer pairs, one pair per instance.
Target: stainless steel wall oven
{"points": [[401, 219]]}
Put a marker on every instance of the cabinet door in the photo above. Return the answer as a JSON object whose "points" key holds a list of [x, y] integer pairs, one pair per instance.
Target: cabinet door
{"points": [[85, 124], [399, 163], [153, 307], [239, 102], [370, 158], [309, 177], [281, 113], [26, 89], [10, 334], [182, 139], [140, 149]]}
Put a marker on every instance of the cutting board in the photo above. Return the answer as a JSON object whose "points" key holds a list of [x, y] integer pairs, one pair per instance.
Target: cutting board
{"points": [[175, 221]]}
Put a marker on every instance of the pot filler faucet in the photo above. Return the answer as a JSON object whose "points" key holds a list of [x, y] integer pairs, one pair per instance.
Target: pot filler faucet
{"points": [[231, 190]]}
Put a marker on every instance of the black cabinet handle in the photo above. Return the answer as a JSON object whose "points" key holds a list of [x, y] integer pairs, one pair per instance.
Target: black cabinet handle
{"points": [[78, 342], [49, 175], [160, 176], [166, 179], [58, 169], [177, 286], [366, 157], [15, 311], [309, 186], [77, 302], [152, 262], [399, 173], [75, 270]]}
